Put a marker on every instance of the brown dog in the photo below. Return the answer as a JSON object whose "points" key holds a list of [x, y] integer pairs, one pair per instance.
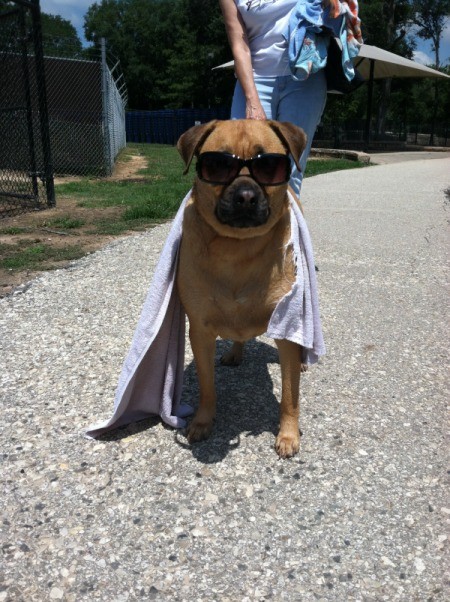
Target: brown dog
{"points": [[233, 266]]}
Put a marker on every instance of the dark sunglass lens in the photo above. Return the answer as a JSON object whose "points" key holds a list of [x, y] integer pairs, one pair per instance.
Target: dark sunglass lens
{"points": [[271, 169], [217, 167]]}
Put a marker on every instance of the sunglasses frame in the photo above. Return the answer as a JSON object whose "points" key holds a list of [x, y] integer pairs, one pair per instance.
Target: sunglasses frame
{"points": [[241, 163]]}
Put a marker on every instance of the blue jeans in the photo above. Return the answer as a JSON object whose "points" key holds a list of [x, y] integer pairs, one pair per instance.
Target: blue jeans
{"points": [[284, 99]]}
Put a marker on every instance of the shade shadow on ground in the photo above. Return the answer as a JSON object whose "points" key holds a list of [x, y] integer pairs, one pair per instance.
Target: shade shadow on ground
{"points": [[246, 404]]}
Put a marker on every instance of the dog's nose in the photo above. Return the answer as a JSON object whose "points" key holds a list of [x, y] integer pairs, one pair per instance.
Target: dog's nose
{"points": [[243, 205], [245, 198]]}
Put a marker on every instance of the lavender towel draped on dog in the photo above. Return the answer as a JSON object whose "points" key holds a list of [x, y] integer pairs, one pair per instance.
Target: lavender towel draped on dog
{"points": [[152, 375]]}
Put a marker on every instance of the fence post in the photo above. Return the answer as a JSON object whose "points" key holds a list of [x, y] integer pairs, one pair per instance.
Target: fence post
{"points": [[42, 99], [27, 88], [174, 127], [105, 120]]}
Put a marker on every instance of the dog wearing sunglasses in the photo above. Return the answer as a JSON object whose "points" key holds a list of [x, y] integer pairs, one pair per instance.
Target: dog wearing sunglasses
{"points": [[234, 263]]}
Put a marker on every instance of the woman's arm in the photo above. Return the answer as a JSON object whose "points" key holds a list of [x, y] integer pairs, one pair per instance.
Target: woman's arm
{"points": [[237, 38]]}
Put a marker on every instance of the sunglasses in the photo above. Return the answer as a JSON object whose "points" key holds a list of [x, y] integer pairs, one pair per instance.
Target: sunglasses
{"points": [[268, 169]]}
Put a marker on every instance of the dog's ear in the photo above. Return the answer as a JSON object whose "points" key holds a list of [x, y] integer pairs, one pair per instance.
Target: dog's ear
{"points": [[191, 141], [292, 136]]}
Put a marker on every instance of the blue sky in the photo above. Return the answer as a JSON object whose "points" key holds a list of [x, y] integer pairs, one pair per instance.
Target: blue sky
{"points": [[74, 11]]}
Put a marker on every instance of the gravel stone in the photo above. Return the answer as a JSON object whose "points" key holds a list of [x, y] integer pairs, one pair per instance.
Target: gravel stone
{"points": [[360, 514]]}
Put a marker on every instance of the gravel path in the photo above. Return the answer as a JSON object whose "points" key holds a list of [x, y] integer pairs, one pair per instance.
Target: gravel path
{"points": [[359, 514]]}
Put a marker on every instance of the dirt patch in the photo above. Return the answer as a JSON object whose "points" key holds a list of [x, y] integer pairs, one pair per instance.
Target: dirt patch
{"points": [[39, 229], [124, 170]]}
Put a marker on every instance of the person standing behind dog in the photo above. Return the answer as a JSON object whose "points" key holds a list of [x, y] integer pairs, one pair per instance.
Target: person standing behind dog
{"points": [[265, 87]]}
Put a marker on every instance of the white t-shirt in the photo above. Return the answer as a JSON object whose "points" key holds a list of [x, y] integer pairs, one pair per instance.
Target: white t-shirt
{"points": [[265, 22]]}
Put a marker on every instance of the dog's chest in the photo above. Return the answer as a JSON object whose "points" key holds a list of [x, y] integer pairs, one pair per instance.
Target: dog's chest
{"points": [[235, 292]]}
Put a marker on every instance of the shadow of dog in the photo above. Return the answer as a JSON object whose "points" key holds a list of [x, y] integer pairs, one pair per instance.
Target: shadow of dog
{"points": [[246, 404]]}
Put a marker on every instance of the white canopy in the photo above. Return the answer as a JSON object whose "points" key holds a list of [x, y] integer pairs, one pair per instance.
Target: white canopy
{"points": [[386, 64]]}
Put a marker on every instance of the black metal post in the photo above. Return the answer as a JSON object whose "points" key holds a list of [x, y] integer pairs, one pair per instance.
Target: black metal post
{"points": [[29, 108], [369, 105], [35, 11]]}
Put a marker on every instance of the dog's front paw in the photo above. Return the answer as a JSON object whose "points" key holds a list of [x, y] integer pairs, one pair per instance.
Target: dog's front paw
{"points": [[287, 444], [199, 430]]}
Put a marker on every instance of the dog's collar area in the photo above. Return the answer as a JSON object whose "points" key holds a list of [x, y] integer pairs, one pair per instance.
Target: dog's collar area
{"points": [[221, 168]]}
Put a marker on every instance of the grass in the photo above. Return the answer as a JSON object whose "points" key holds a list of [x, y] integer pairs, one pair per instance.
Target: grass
{"points": [[65, 223], [12, 231], [138, 203], [158, 195], [155, 196], [321, 166], [36, 256]]}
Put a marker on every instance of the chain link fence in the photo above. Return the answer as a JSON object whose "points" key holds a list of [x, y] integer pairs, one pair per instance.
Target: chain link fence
{"points": [[79, 130], [397, 135], [86, 100], [26, 176]]}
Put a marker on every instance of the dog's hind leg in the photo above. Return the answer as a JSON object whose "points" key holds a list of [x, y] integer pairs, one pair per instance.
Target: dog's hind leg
{"points": [[233, 357], [304, 365], [287, 443]]}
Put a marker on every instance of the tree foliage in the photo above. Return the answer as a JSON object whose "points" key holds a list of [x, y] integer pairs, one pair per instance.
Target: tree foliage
{"points": [[59, 36], [430, 17], [390, 24], [385, 23], [167, 49]]}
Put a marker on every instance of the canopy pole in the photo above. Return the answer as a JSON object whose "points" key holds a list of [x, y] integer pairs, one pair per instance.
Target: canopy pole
{"points": [[369, 104]]}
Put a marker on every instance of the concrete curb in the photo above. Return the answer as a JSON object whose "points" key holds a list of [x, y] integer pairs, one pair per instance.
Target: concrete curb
{"points": [[335, 153], [433, 149]]}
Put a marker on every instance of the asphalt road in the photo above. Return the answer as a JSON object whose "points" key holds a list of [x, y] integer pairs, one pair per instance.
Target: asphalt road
{"points": [[360, 514]]}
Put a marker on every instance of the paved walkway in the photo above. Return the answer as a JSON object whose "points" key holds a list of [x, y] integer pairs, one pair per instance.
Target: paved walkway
{"points": [[402, 157], [359, 514]]}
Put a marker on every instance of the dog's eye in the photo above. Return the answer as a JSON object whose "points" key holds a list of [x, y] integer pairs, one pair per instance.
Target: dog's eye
{"points": [[271, 168], [216, 167]]}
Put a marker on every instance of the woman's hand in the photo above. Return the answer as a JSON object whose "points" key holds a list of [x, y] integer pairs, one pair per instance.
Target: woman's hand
{"points": [[254, 110]]}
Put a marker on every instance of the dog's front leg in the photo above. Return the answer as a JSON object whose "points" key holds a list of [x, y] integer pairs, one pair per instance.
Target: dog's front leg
{"points": [[203, 347], [287, 443]]}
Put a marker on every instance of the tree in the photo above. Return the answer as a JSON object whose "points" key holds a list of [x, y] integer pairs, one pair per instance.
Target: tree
{"points": [[167, 49], [385, 24], [201, 43], [430, 17], [59, 37], [142, 34]]}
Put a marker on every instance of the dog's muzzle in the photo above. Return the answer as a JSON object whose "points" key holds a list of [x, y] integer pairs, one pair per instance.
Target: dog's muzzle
{"points": [[243, 205]]}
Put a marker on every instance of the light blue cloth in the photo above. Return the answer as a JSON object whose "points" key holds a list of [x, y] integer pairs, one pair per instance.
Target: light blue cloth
{"points": [[151, 380], [349, 51], [309, 20], [313, 55], [306, 16]]}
